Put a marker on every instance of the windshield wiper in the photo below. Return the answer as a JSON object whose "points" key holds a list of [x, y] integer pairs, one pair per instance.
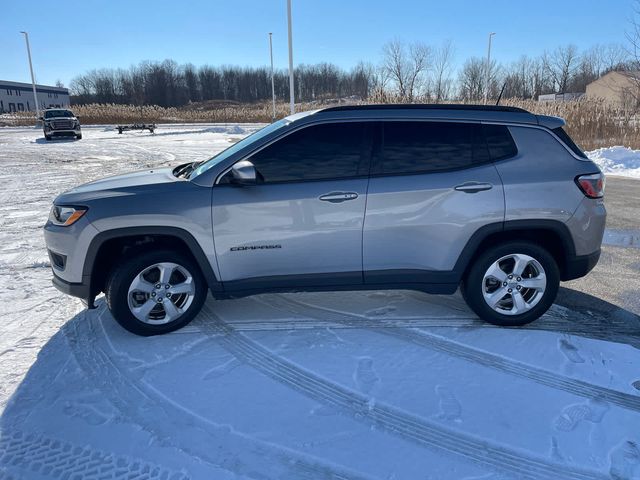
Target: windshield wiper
{"points": [[186, 169]]}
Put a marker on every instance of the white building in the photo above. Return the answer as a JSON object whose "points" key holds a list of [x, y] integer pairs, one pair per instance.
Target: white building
{"points": [[18, 97], [559, 97]]}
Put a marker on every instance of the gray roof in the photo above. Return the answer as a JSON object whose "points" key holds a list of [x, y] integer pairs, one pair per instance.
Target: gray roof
{"points": [[489, 113], [22, 85]]}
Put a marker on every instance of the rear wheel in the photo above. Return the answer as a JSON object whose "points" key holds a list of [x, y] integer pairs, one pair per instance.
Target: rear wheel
{"points": [[512, 284], [156, 292]]}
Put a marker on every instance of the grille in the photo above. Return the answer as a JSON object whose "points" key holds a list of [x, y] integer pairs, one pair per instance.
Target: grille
{"points": [[62, 124]]}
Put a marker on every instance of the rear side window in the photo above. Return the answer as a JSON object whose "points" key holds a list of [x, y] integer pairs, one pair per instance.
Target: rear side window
{"points": [[420, 147], [499, 142], [566, 139], [336, 150]]}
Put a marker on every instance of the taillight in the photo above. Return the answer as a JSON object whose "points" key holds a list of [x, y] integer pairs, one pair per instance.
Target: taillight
{"points": [[591, 185]]}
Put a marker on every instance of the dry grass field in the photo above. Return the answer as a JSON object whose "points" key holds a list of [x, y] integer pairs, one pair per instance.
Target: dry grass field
{"points": [[592, 124]]}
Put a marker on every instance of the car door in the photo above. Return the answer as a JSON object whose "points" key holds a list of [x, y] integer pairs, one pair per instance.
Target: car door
{"points": [[432, 186], [302, 224]]}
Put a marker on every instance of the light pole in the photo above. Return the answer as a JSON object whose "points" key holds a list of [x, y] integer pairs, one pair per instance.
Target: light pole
{"points": [[486, 87], [33, 79], [273, 89], [291, 89]]}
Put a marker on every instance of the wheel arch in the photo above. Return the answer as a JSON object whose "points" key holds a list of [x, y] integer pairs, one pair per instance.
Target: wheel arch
{"points": [[109, 245], [553, 235]]}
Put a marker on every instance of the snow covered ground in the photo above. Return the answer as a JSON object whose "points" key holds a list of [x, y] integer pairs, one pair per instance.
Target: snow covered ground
{"points": [[621, 161], [356, 385]]}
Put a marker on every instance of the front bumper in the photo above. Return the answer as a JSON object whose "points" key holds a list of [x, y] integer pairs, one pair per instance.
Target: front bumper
{"points": [[80, 290], [62, 133]]}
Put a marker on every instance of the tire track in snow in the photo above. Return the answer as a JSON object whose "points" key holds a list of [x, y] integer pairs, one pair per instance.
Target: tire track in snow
{"points": [[62, 460], [388, 418], [465, 352], [166, 420]]}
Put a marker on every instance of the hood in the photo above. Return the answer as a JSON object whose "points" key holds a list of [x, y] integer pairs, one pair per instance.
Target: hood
{"points": [[118, 185]]}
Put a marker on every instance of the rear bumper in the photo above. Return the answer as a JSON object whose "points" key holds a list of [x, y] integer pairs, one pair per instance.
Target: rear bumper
{"points": [[579, 266]]}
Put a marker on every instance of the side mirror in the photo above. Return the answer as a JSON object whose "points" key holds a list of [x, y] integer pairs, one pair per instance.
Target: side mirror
{"points": [[244, 173], [77, 118], [41, 119]]}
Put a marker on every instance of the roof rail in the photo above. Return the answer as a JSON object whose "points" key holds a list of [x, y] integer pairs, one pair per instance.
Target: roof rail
{"points": [[426, 106]]}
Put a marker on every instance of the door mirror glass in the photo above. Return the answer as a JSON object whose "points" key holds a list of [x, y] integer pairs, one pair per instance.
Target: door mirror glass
{"points": [[244, 173]]}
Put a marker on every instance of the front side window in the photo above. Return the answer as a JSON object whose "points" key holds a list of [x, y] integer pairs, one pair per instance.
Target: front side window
{"points": [[422, 147], [335, 150]]}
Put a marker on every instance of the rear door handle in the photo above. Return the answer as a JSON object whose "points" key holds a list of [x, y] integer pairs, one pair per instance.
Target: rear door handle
{"points": [[338, 197], [473, 187]]}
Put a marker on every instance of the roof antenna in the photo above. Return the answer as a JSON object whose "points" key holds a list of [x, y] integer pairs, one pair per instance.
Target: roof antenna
{"points": [[501, 92]]}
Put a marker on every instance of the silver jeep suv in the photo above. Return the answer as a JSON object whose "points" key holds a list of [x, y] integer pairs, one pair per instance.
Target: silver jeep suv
{"points": [[494, 200]]}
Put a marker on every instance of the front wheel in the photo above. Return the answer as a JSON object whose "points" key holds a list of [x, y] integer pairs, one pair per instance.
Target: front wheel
{"points": [[512, 284], [79, 137], [156, 292]]}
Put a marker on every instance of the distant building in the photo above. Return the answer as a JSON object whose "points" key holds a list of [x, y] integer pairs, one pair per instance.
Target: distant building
{"points": [[18, 97], [620, 89], [559, 97]]}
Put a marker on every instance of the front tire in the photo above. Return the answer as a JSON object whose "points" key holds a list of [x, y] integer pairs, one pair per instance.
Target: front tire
{"points": [[47, 138], [156, 292], [79, 137], [512, 284]]}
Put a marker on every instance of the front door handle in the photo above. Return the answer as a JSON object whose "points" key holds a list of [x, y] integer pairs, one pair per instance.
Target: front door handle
{"points": [[338, 197], [473, 187]]}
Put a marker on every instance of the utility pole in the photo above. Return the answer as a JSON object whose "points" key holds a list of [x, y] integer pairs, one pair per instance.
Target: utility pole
{"points": [[291, 89], [273, 88], [486, 86], [33, 78]]}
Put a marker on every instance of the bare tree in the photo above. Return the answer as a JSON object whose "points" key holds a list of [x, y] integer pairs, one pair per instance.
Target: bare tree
{"points": [[442, 71], [561, 65], [407, 67], [471, 79]]}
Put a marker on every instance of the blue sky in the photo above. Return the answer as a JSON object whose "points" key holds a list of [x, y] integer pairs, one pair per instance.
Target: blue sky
{"points": [[88, 34]]}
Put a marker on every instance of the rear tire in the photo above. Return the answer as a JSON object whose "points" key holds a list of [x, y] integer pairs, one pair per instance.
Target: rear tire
{"points": [[512, 284], [156, 292]]}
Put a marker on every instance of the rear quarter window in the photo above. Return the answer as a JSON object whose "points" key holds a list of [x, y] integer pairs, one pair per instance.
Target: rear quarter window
{"points": [[566, 139]]}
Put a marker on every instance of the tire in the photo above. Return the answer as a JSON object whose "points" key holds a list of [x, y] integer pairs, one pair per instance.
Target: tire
{"points": [[47, 138], [150, 292], [79, 137], [523, 301]]}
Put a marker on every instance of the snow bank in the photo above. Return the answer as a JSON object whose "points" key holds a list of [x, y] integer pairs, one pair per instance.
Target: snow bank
{"points": [[618, 160]]}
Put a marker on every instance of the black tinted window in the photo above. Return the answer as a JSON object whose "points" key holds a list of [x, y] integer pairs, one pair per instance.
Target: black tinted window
{"points": [[410, 147], [317, 152], [499, 142], [568, 142]]}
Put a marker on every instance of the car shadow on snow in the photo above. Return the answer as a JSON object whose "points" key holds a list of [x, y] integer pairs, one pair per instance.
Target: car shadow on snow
{"points": [[44, 141], [100, 396]]}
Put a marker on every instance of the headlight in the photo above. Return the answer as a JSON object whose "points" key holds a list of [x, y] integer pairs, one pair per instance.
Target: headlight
{"points": [[65, 216]]}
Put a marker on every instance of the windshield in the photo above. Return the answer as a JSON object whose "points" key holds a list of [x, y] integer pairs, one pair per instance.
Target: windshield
{"points": [[57, 113], [236, 147]]}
